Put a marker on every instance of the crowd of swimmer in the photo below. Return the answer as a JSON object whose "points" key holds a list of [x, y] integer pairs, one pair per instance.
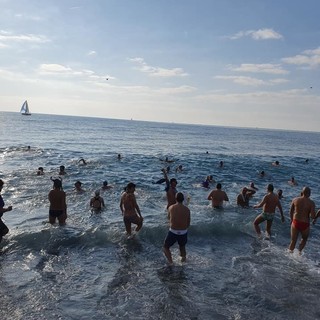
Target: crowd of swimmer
{"points": [[301, 210]]}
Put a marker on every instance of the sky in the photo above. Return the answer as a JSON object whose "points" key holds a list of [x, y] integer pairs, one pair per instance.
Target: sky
{"points": [[239, 63]]}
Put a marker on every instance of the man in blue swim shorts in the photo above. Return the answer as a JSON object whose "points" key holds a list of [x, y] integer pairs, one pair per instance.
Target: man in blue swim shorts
{"points": [[179, 218]]}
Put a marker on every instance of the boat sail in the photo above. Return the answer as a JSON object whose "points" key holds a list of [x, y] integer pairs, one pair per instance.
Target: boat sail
{"points": [[25, 109]]}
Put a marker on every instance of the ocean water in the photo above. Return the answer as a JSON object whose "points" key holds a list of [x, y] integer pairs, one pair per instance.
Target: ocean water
{"points": [[88, 269]]}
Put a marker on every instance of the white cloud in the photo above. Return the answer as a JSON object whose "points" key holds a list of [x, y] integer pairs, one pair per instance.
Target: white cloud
{"points": [[265, 34], [65, 71], [157, 71], [249, 81], [308, 58], [28, 17], [260, 68], [278, 81], [245, 81], [261, 34], [7, 38], [54, 69], [92, 53]]}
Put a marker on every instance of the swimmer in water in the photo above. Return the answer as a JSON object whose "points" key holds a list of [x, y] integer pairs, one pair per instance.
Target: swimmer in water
{"points": [[106, 186], [206, 183], [96, 202], [62, 171], [130, 209], [40, 171], [78, 187], [244, 196], [217, 196], [269, 204], [179, 219], [82, 161], [58, 206], [301, 210], [293, 182], [170, 189]]}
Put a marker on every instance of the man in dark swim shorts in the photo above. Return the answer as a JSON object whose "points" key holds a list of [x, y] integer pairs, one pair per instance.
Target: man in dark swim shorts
{"points": [[58, 206], [55, 213], [179, 217]]}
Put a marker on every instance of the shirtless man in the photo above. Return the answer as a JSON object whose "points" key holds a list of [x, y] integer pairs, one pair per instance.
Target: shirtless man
{"points": [[62, 171], [170, 189], [244, 197], [3, 228], [58, 206], [217, 196], [269, 203], [106, 186], [179, 218], [302, 208], [130, 209]]}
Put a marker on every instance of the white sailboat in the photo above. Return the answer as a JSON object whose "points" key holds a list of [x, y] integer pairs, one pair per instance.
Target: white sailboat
{"points": [[25, 109]]}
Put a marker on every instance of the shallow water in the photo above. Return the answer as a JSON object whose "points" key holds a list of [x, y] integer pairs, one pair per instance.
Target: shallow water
{"points": [[89, 270]]}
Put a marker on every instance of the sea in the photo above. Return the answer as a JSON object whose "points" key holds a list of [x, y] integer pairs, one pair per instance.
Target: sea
{"points": [[89, 269]]}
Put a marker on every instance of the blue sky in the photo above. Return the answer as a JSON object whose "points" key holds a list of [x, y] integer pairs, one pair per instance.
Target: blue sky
{"points": [[243, 63]]}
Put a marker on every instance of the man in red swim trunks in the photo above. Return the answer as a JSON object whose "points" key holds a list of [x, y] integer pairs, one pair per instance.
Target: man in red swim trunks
{"points": [[302, 208]]}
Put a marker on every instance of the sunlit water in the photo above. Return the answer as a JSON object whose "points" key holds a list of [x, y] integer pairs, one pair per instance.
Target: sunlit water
{"points": [[90, 270]]}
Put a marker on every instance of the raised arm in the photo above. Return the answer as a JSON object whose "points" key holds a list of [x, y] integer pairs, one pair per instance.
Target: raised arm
{"points": [[165, 176]]}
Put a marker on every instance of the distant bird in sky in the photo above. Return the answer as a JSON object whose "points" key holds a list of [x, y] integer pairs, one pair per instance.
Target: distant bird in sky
{"points": [[107, 78]]}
